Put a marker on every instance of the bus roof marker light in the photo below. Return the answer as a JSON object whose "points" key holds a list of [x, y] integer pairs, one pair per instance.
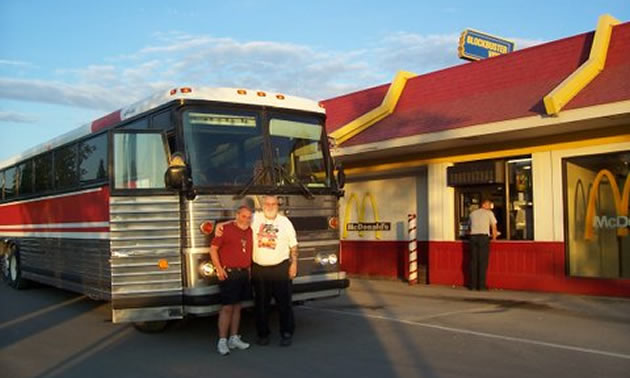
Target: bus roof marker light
{"points": [[185, 90], [173, 91], [241, 91], [261, 94], [280, 97]]}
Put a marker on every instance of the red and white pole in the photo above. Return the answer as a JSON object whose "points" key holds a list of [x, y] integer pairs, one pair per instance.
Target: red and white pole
{"points": [[413, 250]]}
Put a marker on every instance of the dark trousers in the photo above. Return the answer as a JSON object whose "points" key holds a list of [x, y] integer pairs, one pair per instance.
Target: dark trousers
{"points": [[273, 281], [479, 253]]}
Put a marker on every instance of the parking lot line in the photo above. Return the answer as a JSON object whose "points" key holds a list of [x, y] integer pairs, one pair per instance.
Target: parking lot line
{"points": [[475, 333]]}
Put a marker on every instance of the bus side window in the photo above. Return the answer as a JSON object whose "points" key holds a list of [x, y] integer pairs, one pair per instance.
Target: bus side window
{"points": [[139, 124], [43, 173], [9, 187], [93, 159], [140, 161], [66, 167], [172, 146], [25, 178], [1, 185], [162, 121]]}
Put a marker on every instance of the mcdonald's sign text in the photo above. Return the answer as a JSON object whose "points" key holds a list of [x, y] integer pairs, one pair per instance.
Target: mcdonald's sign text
{"points": [[374, 226], [621, 198]]}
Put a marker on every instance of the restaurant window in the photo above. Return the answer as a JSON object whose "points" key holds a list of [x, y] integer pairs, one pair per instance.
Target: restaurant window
{"points": [[596, 215], [507, 183]]}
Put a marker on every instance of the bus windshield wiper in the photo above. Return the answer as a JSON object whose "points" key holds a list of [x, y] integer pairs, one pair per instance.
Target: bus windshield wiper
{"points": [[293, 178], [251, 183]]}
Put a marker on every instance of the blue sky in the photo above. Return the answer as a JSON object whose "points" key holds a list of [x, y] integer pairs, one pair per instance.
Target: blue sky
{"points": [[64, 63]]}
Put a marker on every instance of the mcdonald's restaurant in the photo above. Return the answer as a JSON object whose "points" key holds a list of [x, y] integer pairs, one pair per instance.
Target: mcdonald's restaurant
{"points": [[542, 132]]}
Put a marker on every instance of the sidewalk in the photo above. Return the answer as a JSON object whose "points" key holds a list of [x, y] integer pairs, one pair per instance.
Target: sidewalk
{"points": [[374, 293]]}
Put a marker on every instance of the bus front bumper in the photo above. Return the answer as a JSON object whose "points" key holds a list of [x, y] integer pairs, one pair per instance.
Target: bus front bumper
{"points": [[206, 300]]}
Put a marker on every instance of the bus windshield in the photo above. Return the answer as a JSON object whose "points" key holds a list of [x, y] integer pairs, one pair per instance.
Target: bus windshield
{"points": [[226, 149], [298, 150]]}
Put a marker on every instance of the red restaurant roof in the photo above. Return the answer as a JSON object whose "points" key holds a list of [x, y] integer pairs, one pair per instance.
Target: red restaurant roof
{"points": [[501, 88]]}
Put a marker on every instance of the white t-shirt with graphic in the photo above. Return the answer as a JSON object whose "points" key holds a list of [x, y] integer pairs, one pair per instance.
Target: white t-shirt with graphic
{"points": [[273, 239]]}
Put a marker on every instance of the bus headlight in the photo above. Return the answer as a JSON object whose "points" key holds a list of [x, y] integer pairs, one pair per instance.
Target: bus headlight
{"points": [[326, 259], [332, 259], [206, 269]]}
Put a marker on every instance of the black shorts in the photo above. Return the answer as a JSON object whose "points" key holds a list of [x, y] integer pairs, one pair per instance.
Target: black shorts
{"points": [[236, 288]]}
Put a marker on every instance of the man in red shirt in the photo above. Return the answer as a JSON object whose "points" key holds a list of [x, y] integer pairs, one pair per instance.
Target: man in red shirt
{"points": [[231, 255]]}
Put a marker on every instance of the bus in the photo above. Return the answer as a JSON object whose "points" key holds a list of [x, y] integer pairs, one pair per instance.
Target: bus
{"points": [[123, 209]]}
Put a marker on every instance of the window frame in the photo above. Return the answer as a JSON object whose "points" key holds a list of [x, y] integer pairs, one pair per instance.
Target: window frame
{"points": [[505, 185]]}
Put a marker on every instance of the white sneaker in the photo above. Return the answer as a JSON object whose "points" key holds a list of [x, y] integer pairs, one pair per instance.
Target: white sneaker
{"points": [[222, 347], [235, 342]]}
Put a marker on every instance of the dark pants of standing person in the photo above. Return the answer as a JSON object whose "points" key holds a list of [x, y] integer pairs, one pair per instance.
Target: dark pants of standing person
{"points": [[273, 281], [479, 253]]}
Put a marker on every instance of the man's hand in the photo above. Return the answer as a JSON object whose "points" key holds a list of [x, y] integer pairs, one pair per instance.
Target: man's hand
{"points": [[219, 229], [293, 270], [221, 273]]}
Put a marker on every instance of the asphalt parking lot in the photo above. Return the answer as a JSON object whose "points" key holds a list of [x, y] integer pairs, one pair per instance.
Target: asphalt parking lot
{"points": [[377, 329]]}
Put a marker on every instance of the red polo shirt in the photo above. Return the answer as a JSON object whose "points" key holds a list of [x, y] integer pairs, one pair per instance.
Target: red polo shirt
{"points": [[235, 246]]}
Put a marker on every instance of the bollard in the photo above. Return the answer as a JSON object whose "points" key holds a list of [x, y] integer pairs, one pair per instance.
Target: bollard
{"points": [[413, 250]]}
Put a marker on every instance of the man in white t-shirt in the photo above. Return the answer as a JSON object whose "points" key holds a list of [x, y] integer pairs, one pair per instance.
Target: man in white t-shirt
{"points": [[275, 265]]}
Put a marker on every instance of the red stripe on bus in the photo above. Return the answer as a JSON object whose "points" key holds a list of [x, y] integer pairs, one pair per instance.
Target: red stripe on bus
{"points": [[78, 229], [79, 208], [106, 121]]}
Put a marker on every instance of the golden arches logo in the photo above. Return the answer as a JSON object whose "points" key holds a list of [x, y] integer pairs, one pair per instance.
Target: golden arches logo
{"points": [[360, 212], [622, 199]]}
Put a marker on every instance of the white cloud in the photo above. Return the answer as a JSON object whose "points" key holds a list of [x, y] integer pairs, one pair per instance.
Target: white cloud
{"points": [[8, 116], [16, 63], [175, 58]]}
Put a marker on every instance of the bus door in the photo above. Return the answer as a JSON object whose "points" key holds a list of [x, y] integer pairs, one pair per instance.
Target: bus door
{"points": [[145, 238]]}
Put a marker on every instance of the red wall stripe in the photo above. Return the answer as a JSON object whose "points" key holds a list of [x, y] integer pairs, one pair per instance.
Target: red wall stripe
{"points": [[515, 265]]}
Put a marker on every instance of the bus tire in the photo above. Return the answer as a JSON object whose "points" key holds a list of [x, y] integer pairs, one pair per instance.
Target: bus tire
{"points": [[11, 269], [151, 327]]}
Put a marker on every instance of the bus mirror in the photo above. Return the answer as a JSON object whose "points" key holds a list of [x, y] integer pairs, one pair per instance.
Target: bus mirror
{"points": [[341, 176], [176, 176]]}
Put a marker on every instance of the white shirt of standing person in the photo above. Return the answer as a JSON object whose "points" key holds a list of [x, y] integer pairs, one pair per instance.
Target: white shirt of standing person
{"points": [[273, 239]]}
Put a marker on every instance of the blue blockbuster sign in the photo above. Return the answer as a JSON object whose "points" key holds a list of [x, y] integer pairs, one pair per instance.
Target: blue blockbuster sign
{"points": [[474, 45]]}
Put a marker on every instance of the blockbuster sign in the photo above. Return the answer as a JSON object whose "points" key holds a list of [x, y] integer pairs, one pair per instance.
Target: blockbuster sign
{"points": [[475, 45]]}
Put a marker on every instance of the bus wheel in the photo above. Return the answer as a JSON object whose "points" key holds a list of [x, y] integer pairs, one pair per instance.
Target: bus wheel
{"points": [[11, 271], [151, 327]]}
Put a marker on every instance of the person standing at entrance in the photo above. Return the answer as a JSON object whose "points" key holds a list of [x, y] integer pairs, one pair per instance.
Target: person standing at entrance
{"points": [[483, 223], [231, 254], [275, 266]]}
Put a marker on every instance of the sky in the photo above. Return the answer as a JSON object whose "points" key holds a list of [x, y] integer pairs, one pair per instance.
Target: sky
{"points": [[64, 63]]}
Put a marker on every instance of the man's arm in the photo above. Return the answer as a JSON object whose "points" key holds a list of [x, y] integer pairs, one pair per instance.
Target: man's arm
{"points": [[495, 232], [493, 226], [214, 255], [294, 261], [293, 245]]}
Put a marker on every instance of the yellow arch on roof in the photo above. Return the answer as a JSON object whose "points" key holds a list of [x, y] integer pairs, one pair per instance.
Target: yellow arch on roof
{"points": [[386, 108], [580, 78]]}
